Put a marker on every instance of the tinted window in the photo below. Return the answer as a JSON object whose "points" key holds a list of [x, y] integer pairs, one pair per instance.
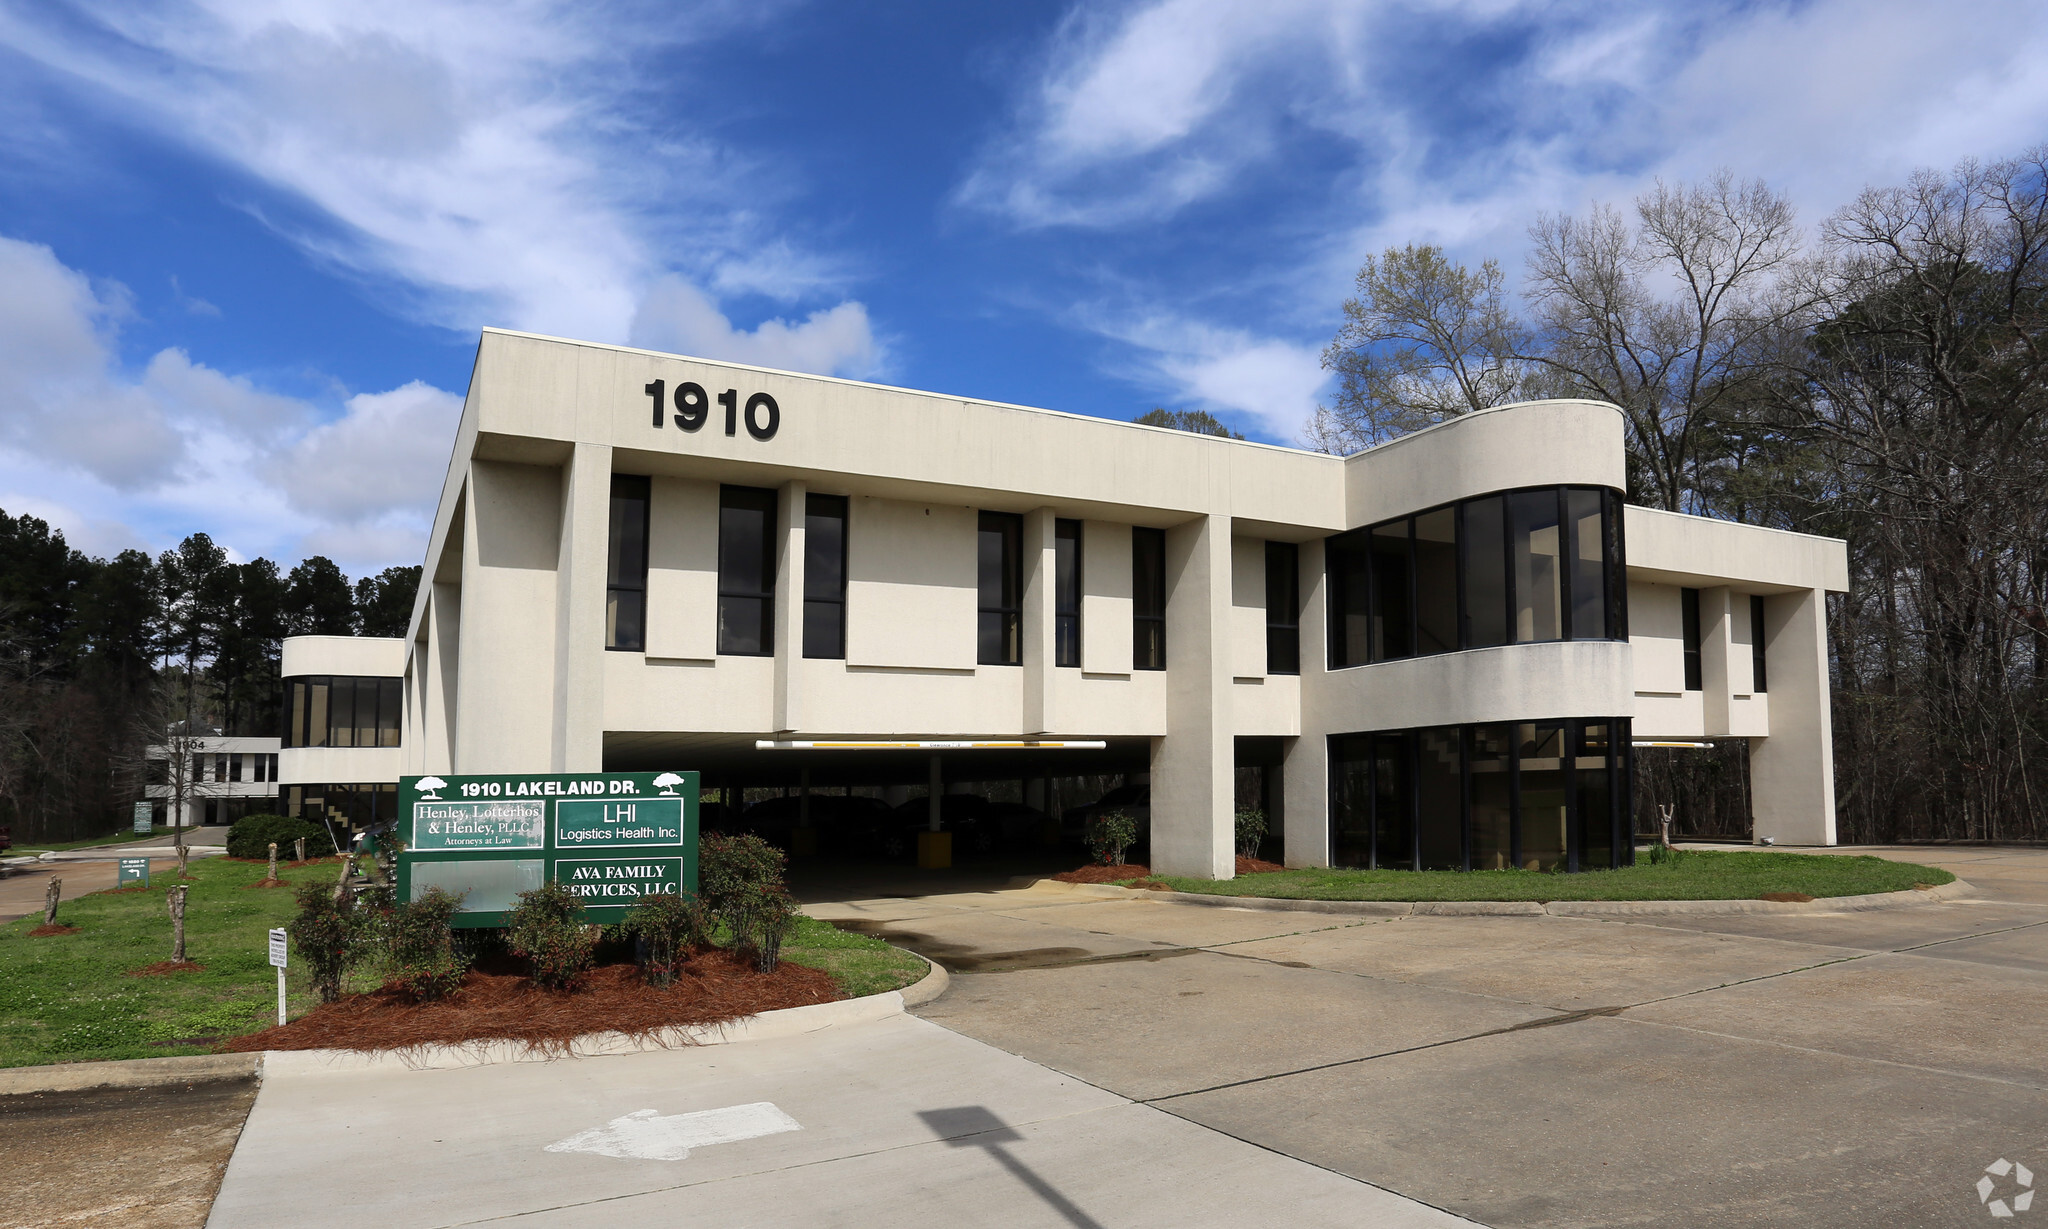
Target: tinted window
{"points": [[1066, 593], [825, 576], [625, 608], [1000, 572], [1283, 608], [746, 571], [1148, 598]]}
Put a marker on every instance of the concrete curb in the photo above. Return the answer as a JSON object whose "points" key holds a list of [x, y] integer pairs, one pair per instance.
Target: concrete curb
{"points": [[130, 1073], [1911, 898], [930, 986]]}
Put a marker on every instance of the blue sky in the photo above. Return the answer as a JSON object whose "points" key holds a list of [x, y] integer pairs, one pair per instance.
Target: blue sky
{"points": [[245, 247]]}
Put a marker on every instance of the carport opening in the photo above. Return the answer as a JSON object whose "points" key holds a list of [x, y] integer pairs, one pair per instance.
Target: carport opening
{"points": [[856, 814], [1706, 786]]}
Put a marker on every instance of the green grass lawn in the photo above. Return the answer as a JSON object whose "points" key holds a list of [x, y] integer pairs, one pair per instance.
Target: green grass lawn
{"points": [[122, 837], [1692, 875], [68, 998]]}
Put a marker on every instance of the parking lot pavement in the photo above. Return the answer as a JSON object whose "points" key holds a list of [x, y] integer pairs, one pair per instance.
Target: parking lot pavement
{"points": [[1821, 1069], [897, 1122]]}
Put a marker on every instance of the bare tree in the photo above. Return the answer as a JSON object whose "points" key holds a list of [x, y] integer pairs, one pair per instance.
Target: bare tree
{"points": [[1676, 319], [1424, 339]]}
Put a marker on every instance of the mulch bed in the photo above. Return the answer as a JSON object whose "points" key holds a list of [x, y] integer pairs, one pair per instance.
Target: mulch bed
{"points": [[713, 987], [162, 967], [268, 883], [1097, 873], [52, 928]]}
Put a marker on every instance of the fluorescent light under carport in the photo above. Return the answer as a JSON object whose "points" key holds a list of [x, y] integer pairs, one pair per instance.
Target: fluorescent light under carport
{"points": [[1696, 745], [999, 744]]}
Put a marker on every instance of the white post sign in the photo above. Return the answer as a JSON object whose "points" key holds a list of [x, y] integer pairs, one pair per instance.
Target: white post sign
{"points": [[277, 958], [144, 817]]}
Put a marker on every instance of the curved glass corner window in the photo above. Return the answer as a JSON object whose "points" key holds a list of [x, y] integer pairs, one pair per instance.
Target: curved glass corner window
{"points": [[1534, 795], [325, 710], [1517, 567]]}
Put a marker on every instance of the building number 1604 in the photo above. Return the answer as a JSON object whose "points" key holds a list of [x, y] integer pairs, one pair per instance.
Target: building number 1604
{"points": [[693, 407]]}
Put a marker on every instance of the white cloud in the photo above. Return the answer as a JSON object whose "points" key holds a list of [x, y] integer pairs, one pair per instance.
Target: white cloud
{"points": [[118, 460], [678, 317], [1456, 124], [492, 158], [1230, 372]]}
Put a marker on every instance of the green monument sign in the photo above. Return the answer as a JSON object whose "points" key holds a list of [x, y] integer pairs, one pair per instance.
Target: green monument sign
{"points": [[609, 837]]}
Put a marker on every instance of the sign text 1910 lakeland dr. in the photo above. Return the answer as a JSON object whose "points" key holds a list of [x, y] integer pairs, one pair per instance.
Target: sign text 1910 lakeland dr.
{"points": [[611, 838]]}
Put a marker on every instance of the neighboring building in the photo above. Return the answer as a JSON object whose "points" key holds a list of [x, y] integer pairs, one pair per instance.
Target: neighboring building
{"points": [[1440, 649], [343, 709], [228, 777]]}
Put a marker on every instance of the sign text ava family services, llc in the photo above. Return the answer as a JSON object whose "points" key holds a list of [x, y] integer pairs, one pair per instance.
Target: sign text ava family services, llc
{"points": [[609, 837]]}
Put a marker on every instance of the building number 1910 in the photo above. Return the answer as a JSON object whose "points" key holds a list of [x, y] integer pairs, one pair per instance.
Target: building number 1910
{"points": [[693, 407]]}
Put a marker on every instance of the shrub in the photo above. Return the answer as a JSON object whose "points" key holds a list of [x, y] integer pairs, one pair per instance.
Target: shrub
{"points": [[1251, 830], [669, 927], [329, 933], [741, 882], [547, 928], [251, 835], [1109, 834], [419, 947]]}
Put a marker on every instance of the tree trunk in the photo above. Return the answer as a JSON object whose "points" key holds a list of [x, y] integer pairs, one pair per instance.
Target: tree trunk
{"points": [[177, 906], [50, 895], [301, 848], [273, 861], [182, 854]]}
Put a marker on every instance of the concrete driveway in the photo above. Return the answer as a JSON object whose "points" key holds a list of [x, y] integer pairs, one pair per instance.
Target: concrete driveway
{"points": [[891, 1122], [1812, 1069]]}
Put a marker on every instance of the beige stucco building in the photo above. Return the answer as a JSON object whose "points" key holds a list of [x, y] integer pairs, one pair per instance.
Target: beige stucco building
{"points": [[1443, 647]]}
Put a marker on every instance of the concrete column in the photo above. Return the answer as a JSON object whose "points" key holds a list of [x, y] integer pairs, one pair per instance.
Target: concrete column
{"points": [[1305, 776], [579, 609], [1717, 658], [444, 616], [1193, 785], [1038, 622], [1792, 772], [789, 607]]}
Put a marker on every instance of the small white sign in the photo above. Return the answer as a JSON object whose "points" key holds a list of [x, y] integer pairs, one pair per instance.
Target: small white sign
{"points": [[649, 1135], [277, 947]]}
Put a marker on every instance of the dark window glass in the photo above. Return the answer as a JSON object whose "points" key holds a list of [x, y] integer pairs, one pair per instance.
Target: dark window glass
{"points": [[625, 593], [746, 571], [234, 768], [1392, 609], [1066, 593], [369, 692], [1592, 781], [295, 728], [1486, 572], [1350, 800], [1148, 598], [1347, 561], [1689, 620], [1393, 803], [316, 712], [1538, 556], [825, 576], [1492, 799], [1588, 575], [390, 706], [1542, 807], [1283, 608], [1440, 799], [1617, 591], [341, 712], [1758, 679], [1002, 582], [1436, 581]]}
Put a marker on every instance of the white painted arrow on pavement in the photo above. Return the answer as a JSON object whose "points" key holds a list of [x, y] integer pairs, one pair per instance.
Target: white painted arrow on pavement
{"points": [[648, 1135]]}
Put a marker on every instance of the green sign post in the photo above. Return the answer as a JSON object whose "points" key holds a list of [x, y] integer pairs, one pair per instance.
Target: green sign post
{"points": [[609, 837]]}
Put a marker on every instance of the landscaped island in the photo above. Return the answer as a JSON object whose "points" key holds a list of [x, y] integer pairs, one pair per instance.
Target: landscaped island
{"points": [[78, 996], [1693, 874]]}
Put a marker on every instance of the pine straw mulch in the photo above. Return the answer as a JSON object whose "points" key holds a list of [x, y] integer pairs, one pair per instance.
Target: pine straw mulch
{"points": [[52, 928], [161, 967], [1138, 875], [500, 1004]]}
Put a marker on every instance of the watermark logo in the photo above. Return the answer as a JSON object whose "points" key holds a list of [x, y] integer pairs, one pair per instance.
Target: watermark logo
{"points": [[1991, 1194]]}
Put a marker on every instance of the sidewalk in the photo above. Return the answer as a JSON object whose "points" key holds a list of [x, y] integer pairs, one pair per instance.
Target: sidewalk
{"points": [[896, 1122]]}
